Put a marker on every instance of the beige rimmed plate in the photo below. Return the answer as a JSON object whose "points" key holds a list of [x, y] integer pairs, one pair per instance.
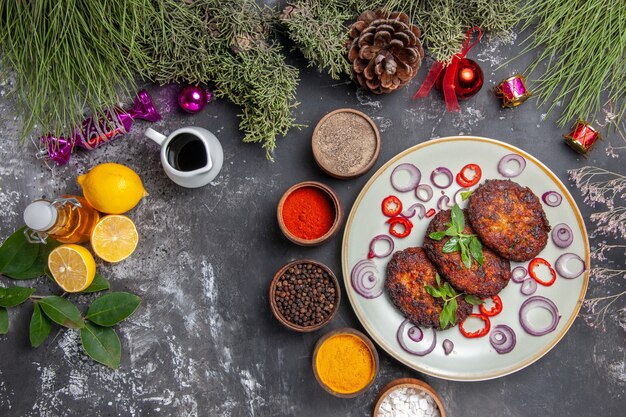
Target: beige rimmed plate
{"points": [[471, 359]]}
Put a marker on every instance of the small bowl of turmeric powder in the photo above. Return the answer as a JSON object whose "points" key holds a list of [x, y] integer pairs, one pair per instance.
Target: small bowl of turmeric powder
{"points": [[309, 213], [345, 362]]}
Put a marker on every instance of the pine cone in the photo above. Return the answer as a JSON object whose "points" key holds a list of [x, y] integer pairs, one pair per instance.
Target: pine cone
{"points": [[385, 50]]}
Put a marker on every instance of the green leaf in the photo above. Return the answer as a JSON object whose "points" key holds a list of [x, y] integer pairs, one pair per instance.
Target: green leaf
{"points": [[438, 279], [437, 235], [40, 327], [17, 254], [472, 299], [39, 267], [458, 221], [451, 245], [451, 231], [453, 308], [61, 311], [466, 194], [99, 283], [432, 291], [476, 249], [14, 296], [465, 256], [447, 315], [449, 291], [101, 344], [4, 320], [110, 309]]}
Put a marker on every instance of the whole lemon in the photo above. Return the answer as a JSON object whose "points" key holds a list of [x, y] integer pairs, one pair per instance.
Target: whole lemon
{"points": [[112, 188]]}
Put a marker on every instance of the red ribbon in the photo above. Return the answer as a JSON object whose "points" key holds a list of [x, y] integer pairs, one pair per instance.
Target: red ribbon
{"points": [[450, 73]]}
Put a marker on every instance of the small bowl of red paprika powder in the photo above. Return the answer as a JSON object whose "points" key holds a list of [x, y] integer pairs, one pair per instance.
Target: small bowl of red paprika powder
{"points": [[309, 213]]}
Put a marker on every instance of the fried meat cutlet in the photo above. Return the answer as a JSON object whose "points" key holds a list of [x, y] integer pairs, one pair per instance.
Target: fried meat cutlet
{"points": [[509, 219], [408, 272]]}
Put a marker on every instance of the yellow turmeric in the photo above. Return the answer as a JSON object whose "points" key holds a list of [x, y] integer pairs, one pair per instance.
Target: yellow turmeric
{"points": [[345, 364]]}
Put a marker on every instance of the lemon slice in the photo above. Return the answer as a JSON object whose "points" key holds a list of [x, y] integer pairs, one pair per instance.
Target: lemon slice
{"points": [[114, 238], [72, 267]]}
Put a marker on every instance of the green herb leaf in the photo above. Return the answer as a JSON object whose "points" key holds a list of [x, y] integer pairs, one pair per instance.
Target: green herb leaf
{"points": [[472, 299], [476, 249], [14, 296], [110, 309], [453, 308], [101, 344], [451, 245], [432, 291], [40, 327], [437, 235], [451, 231], [39, 267], [458, 221], [438, 279], [4, 320], [99, 283], [449, 291], [466, 194], [465, 256], [448, 314], [17, 254], [62, 312]]}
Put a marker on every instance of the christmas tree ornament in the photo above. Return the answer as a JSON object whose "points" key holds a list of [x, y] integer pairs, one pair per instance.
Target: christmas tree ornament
{"points": [[462, 78], [95, 132], [193, 98], [468, 81], [384, 50], [582, 138], [513, 91]]}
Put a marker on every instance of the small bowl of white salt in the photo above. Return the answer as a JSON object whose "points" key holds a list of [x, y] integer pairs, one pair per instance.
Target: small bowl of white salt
{"points": [[408, 397]]}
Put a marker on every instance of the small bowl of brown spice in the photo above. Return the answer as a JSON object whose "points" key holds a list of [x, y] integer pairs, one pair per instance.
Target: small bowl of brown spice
{"points": [[345, 143], [304, 295]]}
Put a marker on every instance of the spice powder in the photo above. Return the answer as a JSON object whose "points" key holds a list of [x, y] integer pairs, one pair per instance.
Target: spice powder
{"points": [[345, 364], [346, 143], [308, 213]]}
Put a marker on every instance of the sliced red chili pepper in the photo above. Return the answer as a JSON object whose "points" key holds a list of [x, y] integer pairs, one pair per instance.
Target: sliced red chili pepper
{"points": [[478, 333], [494, 310], [392, 206], [406, 223], [537, 262], [461, 177], [430, 213]]}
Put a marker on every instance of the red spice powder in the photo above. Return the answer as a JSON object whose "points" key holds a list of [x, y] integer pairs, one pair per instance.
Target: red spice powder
{"points": [[308, 213]]}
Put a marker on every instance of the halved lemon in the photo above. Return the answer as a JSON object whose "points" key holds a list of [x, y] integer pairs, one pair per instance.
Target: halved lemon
{"points": [[72, 267], [114, 238]]}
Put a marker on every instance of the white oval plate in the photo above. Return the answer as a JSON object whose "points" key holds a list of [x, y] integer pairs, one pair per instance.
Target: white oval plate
{"points": [[471, 359]]}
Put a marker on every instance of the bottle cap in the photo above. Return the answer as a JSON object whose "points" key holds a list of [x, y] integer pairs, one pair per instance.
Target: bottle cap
{"points": [[40, 215]]}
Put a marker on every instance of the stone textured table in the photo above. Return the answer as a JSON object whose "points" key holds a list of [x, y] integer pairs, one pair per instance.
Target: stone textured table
{"points": [[204, 341]]}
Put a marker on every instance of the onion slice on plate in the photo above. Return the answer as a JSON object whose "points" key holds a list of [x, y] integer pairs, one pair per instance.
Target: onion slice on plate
{"points": [[552, 198], [448, 346], [421, 347], [443, 202], [457, 196], [562, 235], [372, 253], [519, 274], [441, 171], [506, 170], [427, 189], [414, 177], [365, 281], [529, 286], [564, 266], [538, 301], [410, 212], [502, 339]]}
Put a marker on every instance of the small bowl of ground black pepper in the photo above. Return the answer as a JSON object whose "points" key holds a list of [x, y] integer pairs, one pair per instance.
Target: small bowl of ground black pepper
{"points": [[345, 143], [304, 295], [309, 213]]}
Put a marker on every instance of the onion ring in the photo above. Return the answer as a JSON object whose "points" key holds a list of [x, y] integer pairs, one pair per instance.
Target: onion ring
{"points": [[562, 235], [445, 171], [448, 346], [528, 287], [429, 192], [457, 195], [562, 268], [443, 202], [415, 334], [415, 177], [410, 212], [502, 339], [364, 280], [372, 253], [519, 274], [538, 301], [509, 172], [552, 198], [403, 342]]}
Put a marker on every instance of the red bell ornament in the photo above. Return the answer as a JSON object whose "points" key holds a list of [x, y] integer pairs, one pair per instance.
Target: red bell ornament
{"points": [[468, 80]]}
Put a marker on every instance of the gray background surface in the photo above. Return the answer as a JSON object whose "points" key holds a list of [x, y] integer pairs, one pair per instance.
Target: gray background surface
{"points": [[204, 341]]}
